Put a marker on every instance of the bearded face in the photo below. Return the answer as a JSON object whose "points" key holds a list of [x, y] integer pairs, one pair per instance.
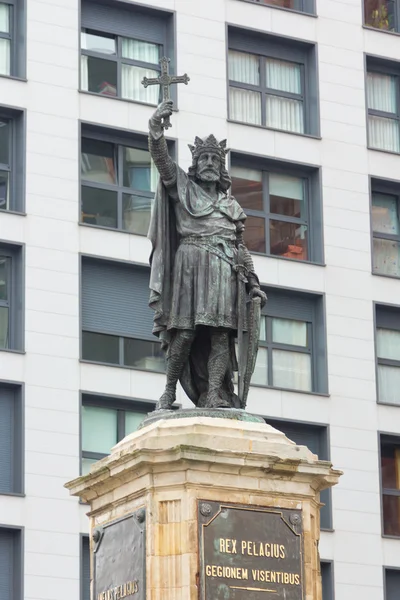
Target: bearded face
{"points": [[208, 167]]}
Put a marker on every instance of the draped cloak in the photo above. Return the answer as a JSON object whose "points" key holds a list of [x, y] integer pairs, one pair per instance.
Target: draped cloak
{"points": [[192, 213]]}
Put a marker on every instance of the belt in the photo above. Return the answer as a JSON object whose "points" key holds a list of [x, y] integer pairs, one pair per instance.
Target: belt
{"points": [[211, 244]]}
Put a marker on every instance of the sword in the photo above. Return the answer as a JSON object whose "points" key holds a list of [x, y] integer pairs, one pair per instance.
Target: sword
{"points": [[241, 300]]}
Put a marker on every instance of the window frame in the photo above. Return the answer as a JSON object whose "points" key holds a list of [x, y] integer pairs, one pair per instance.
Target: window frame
{"points": [[17, 37], [390, 188], [119, 140], [385, 569], [120, 60], [15, 252], [284, 48], [10, 35], [18, 559], [18, 440], [389, 67], [389, 315], [16, 118], [307, 7], [83, 537], [268, 167], [330, 577], [390, 438], [118, 403]]}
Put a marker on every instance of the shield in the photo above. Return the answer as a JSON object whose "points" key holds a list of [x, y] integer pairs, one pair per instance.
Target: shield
{"points": [[249, 349]]}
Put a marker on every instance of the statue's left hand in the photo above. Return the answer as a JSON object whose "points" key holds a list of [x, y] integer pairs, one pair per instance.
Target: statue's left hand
{"points": [[257, 292]]}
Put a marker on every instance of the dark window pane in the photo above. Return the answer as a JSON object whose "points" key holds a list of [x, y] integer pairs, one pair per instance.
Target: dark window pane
{"points": [[98, 162], [136, 213], [391, 515], [294, 4], [4, 327], [137, 170], [99, 76], [254, 234], [392, 581], [380, 14], [100, 347], [144, 355], [4, 267], [390, 466], [99, 207], [247, 188], [286, 195], [4, 142], [288, 239], [4, 190], [98, 42]]}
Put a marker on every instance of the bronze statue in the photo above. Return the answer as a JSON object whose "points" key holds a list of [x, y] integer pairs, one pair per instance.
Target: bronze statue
{"points": [[204, 290]]}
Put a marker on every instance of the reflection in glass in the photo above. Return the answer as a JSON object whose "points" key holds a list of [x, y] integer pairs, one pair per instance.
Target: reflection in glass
{"points": [[136, 213], [288, 239], [100, 347], [293, 4], [99, 429], [144, 355], [4, 266], [380, 14], [137, 169], [385, 216], [247, 187], [99, 75], [4, 190], [291, 370], [391, 515], [99, 207], [131, 84], [386, 257], [4, 327], [389, 384], [286, 195], [98, 161], [390, 466], [96, 42], [254, 234], [4, 142], [287, 331], [245, 106]]}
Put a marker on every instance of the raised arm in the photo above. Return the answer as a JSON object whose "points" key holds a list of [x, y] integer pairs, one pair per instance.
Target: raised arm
{"points": [[158, 146]]}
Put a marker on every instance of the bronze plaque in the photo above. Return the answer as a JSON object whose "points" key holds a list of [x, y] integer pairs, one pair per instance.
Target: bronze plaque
{"points": [[119, 559], [249, 553]]}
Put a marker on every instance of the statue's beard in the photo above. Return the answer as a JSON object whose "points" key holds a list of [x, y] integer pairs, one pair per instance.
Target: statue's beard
{"points": [[208, 176]]}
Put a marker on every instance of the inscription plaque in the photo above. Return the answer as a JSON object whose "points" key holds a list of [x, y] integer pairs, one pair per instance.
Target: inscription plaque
{"points": [[249, 553], [119, 559]]}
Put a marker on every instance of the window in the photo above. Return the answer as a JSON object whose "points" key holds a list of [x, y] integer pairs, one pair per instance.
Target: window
{"points": [[85, 567], [12, 38], [386, 228], [392, 583], [388, 354], [120, 46], [272, 82], [118, 180], [383, 105], [11, 563], [382, 14], [283, 208], [105, 422], [327, 579], [390, 481], [300, 5], [315, 437], [117, 321], [11, 315], [12, 159], [291, 353], [11, 440]]}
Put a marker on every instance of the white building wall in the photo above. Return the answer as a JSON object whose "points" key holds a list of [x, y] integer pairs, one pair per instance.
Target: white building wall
{"points": [[53, 239]]}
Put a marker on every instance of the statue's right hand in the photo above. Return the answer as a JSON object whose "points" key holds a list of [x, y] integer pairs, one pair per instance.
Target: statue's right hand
{"points": [[164, 110]]}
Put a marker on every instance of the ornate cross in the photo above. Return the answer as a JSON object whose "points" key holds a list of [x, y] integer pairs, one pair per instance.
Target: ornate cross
{"points": [[165, 80]]}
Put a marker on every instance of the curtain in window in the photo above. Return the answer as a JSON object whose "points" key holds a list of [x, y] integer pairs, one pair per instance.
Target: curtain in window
{"points": [[143, 51], [291, 370], [388, 344], [4, 57], [284, 113], [244, 68], [381, 95], [4, 18], [283, 75], [245, 106], [4, 318], [84, 73], [132, 88], [286, 331], [260, 375], [389, 384]]}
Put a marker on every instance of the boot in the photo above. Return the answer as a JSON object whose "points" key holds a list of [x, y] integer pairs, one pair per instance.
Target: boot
{"points": [[217, 365], [178, 353]]}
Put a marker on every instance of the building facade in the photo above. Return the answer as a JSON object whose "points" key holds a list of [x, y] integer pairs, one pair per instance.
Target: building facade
{"points": [[308, 94]]}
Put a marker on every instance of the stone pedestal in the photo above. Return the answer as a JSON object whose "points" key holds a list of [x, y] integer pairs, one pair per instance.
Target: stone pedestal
{"points": [[184, 472]]}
